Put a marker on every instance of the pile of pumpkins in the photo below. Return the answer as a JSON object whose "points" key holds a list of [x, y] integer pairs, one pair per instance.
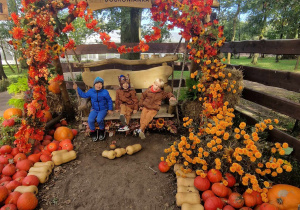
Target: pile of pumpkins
{"points": [[215, 195], [22, 173]]}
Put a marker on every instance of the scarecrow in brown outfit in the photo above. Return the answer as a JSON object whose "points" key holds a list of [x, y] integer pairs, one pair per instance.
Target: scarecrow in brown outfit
{"points": [[126, 102]]}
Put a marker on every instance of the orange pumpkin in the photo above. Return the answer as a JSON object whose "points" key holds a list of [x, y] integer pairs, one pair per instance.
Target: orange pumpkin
{"points": [[285, 197], [62, 133], [54, 87], [47, 115], [11, 112]]}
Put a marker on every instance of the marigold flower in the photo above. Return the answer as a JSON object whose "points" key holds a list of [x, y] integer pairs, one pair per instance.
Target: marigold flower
{"points": [[281, 152], [271, 127], [285, 145], [274, 174], [214, 149], [206, 154], [237, 136], [276, 121], [273, 149], [236, 130], [266, 184], [288, 169]]}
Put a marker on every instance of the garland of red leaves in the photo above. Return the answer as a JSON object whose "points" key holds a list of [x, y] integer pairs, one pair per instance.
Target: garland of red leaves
{"points": [[34, 34]]}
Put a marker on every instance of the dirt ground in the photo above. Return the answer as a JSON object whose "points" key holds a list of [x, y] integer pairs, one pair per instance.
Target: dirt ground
{"points": [[129, 182]]}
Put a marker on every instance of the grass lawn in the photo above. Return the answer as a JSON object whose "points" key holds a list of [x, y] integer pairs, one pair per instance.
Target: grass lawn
{"points": [[11, 75], [267, 63]]}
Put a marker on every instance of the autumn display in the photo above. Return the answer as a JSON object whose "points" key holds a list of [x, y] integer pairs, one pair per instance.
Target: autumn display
{"points": [[220, 153]]}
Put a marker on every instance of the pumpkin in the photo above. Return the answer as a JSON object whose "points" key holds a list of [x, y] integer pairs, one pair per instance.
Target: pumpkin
{"points": [[5, 149], [284, 196], [30, 180], [230, 179], [214, 175], [228, 207], [245, 208], [163, 167], [8, 123], [9, 169], [201, 184], [206, 194], [8, 113], [250, 200], [47, 115], [9, 207], [220, 189], [54, 87], [12, 185], [213, 203], [62, 133], [3, 193], [267, 206], [236, 200], [257, 197], [13, 197], [27, 201]]}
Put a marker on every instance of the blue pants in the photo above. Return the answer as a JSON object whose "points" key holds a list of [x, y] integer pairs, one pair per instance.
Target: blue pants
{"points": [[100, 115]]}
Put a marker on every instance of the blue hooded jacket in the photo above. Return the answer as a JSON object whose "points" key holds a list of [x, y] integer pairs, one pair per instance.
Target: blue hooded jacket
{"points": [[100, 99]]}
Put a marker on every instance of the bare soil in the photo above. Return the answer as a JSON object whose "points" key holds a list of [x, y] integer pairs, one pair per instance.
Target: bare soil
{"points": [[129, 182]]}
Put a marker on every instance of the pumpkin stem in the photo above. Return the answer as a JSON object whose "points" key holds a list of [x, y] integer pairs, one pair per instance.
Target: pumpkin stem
{"points": [[279, 201]]}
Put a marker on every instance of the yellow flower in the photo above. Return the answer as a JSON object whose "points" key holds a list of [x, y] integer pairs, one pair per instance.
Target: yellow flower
{"points": [[282, 152], [274, 174], [243, 132], [288, 169], [209, 145], [214, 149], [246, 136], [276, 121], [238, 158], [260, 165], [237, 136], [229, 74], [273, 149], [242, 125], [236, 130], [206, 154], [271, 127], [279, 170], [285, 145], [267, 184]]}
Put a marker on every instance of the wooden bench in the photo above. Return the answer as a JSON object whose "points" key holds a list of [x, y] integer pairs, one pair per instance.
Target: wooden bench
{"points": [[139, 80]]}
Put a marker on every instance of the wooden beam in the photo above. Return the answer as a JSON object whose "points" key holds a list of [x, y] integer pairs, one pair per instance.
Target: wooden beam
{"points": [[284, 46], [177, 67], [282, 79], [278, 104], [128, 62], [275, 135], [102, 49]]}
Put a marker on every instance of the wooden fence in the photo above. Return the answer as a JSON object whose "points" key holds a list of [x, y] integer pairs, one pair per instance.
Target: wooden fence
{"points": [[286, 80]]}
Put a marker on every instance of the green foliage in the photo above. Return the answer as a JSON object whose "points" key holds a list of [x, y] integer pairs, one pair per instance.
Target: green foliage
{"points": [[191, 93], [20, 86]]}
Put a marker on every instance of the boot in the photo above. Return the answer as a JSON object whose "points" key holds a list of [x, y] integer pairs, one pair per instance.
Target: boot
{"points": [[94, 135], [101, 136]]}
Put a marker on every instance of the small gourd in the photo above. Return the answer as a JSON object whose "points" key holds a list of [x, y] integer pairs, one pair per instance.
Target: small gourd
{"points": [[42, 176], [48, 163], [120, 152], [133, 149], [23, 189], [58, 152], [111, 154], [65, 157], [42, 169]]}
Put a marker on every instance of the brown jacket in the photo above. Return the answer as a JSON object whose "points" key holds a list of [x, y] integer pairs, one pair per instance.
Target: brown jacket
{"points": [[152, 100], [127, 97]]}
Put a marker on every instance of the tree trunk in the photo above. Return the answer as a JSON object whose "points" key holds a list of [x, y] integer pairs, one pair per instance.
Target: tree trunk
{"points": [[130, 31], [68, 108], [4, 55], [234, 29], [254, 59], [2, 73], [297, 63]]}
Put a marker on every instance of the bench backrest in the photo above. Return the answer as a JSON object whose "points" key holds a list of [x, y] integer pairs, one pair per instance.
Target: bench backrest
{"points": [[138, 79]]}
